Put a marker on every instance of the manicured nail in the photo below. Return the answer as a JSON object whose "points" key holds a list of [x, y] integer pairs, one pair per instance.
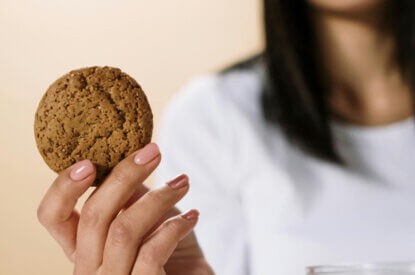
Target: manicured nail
{"points": [[191, 215], [147, 154], [81, 170], [179, 182]]}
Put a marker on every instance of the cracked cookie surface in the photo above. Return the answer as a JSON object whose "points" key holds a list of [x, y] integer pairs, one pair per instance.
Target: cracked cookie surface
{"points": [[95, 113]]}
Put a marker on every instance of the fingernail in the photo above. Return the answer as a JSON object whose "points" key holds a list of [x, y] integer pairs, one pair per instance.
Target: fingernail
{"points": [[81, 170], [147, 154], [179, 182], [190, 215]]}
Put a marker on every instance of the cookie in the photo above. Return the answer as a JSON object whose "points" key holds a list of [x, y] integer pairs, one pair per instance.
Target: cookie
{"points": [[96, 113]]}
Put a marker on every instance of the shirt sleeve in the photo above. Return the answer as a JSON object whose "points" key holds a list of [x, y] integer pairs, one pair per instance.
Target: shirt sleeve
{"points": [[196, 138]]}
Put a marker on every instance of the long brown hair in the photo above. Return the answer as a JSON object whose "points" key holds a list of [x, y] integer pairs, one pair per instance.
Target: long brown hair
{"points": [[293, 95]]}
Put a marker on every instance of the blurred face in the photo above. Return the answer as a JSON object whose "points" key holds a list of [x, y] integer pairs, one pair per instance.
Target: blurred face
{"points": [[346, 6]]}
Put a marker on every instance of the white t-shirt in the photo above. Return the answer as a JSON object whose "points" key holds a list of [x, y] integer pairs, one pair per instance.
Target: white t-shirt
{"points": [[268, 208]]}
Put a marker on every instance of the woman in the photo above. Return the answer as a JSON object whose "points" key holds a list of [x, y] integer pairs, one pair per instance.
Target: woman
{"points": [[301, 156]]}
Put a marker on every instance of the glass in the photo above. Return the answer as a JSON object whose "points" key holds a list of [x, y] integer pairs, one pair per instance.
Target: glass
{"points": [[366, 269]]}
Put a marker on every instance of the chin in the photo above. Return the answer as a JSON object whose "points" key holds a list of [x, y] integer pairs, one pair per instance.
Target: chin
{"points": [[346, 6]]}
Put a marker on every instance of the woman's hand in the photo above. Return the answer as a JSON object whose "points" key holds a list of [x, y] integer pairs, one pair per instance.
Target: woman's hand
{"points": [[123, 227]]}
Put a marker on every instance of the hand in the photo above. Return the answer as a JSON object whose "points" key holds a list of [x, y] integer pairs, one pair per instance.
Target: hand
{"points": [[123, 227]]}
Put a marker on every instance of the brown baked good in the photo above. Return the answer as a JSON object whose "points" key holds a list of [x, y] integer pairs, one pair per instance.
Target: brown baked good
{"points": [[96, 113]]}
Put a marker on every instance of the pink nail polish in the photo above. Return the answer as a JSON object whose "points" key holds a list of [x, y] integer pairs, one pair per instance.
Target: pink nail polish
{"points": [[81, 170], [190, 215], [179, 182], [147, 154]]}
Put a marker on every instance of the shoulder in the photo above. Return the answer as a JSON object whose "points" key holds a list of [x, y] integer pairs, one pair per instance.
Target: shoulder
{"points": [[214, 126], [207, 120], [235, 90], [224, 108]]}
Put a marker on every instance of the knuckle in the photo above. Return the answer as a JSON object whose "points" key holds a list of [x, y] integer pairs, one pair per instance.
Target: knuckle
{"points": [[174, 228], [156, 195], [172, 225], [120, 232], [120, 175], [90, 215], [149, 254], [65, 191], [48, 216], [42, 215]]}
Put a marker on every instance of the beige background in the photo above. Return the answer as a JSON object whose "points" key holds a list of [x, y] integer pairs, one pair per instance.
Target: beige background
{"points": [[160, 43]]}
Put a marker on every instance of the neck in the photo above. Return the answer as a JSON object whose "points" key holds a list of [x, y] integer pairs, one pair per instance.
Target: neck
{"points": [[363, 80]]}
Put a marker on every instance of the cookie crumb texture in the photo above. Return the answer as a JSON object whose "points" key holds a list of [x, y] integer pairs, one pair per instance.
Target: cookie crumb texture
{"points": [[96, 113]]}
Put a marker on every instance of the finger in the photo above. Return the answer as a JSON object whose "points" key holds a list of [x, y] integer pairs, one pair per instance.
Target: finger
{"points": [[56, 211], [158, 248], [131, 227], [141, 190], [104, 205]]}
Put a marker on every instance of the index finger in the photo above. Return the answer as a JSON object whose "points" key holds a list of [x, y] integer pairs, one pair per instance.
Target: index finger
{"points": [[104, 205]]}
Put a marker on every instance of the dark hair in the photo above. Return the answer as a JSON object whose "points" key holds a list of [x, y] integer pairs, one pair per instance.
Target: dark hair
{"points": [[293, 95]]}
